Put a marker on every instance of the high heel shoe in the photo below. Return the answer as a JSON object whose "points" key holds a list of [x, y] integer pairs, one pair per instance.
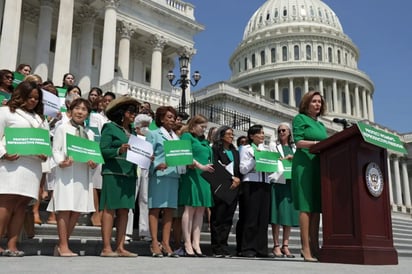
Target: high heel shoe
{"points": [[285, 251], [170, 254], [310, 260], [156, 254], [57, 253], [198, 254], [187, 254], [277, 255]]}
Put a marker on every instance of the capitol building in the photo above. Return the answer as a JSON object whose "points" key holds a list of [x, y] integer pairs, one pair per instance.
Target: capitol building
{"points": [[128, 47]]}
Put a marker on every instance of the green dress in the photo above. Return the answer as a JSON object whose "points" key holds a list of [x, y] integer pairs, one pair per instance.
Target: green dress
{"points": [[306, 191], [119, 175], [282, 209], [193, 189]]}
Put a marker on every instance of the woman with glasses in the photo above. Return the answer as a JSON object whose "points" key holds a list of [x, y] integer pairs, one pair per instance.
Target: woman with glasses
{"points": [[194, 191], [282, 210], [6, 88]]}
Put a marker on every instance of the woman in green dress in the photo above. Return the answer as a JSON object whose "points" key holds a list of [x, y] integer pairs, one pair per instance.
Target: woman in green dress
{"points": [[306, 191], [194, 191], [119, 175], [282, 211]]}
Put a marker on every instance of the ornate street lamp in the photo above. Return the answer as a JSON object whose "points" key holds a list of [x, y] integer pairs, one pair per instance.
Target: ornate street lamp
{"points": [[184, 80]]}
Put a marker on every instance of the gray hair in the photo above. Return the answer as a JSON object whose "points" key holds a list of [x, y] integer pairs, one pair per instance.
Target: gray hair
{"points": [[142, 118], [285, 124]]}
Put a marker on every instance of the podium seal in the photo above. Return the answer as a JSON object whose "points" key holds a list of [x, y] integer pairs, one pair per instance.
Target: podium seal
{"points": [[374, 179]]}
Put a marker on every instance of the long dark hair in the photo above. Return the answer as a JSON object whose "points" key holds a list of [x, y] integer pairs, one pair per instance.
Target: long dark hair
{"points": [[252, 131], [21, 95]]}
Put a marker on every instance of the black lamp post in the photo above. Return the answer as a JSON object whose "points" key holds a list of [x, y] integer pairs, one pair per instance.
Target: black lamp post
{"points": [[184, 80]]}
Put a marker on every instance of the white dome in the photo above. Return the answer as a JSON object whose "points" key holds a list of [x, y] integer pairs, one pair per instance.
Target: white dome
{"points": [[283, 13]]}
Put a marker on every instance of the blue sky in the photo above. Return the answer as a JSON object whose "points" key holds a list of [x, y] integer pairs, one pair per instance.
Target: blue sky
{"points": [[380, 29]]}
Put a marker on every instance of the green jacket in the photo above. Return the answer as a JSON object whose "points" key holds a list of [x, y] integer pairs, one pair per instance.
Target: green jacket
{"points": [[113, 136]]}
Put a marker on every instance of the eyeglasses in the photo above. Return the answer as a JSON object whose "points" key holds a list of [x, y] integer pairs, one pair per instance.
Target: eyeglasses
{"points": [[281, 130], [8, 77]]}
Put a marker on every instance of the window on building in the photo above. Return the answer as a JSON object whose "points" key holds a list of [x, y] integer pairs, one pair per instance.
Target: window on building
{"points": [[320, 55], [296, 52], [312, 12], [285, 11], [267, 16], [308, 52], [346, 58], [147, 74], [285, 96], [262, 58], [339, 57], [239, 67], [272, 94], [245, 65], [52, 47], [330, 58], [284, 53], [276, 13], [253, 60], [294, 12], [273, 55]]}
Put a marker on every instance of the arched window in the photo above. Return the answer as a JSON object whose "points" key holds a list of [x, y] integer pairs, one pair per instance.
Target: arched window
{"points": [[339, 57], [298, 95], [267, 16], [276, 13], [262, 58], [346, 58], [312, 12], [285, 12], [320, 55], [245, 63], [330, 59], [253, 60], [296, 52], [285, 96], [238, 66], [272, 94], [273, 55], [308, 52], [284, 53]]}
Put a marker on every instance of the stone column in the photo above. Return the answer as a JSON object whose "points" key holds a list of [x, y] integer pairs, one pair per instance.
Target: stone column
{"points": [[277, 90], [388, 160], [321, 87], [364, 106], [335, 96], [370, 106], [158, 42], [9, 41], [291, 93], [262, 90], [43, 39], [405, 181], [1, 10], [397, 178], [347, 99], [88, 15], [109, 42], [63, 41], [126, 31], [306, 85], [357, 103]]}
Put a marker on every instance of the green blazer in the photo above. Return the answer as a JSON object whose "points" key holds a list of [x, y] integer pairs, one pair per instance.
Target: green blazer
{"points": [[113, 136]]}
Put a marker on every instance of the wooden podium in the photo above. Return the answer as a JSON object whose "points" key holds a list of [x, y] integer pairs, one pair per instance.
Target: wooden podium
{"points": [[357, 226]]}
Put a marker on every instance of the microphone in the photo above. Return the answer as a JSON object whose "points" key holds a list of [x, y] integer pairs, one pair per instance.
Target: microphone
{"points": [[343, 122]]}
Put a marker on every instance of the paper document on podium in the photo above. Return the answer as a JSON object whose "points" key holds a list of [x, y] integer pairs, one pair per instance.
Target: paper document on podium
{"points": [[220, 182]]}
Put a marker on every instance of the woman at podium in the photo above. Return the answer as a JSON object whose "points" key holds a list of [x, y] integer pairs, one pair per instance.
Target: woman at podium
{"points": [[306, 192]]}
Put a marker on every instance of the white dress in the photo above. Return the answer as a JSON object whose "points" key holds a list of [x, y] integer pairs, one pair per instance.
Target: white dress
{"points": [[22, 176], [73, 190]]}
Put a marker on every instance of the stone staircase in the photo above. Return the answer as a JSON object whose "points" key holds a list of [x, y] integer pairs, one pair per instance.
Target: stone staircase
{"points": [[87, 239]]}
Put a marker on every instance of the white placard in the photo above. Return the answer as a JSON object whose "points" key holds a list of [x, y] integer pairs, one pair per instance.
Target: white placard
{"points": [[51, 104], [140, 152]]}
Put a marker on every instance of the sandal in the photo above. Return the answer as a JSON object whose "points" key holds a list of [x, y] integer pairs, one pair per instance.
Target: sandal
{"points": [[9, 253], [277, 255], [285, 251]]}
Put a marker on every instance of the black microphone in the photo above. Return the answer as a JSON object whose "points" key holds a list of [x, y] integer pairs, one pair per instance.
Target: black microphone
{"points": [[343, 122]]}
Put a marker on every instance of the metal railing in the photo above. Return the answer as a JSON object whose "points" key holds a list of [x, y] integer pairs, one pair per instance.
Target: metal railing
{"points": [[219, 115]]}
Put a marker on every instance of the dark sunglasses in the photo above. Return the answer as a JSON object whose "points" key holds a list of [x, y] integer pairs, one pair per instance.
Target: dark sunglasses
{"points": [[281, 130]]}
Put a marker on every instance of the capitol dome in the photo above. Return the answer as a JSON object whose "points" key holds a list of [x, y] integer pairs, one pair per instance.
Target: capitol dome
{"points": [[292, 46], [283, 13]]}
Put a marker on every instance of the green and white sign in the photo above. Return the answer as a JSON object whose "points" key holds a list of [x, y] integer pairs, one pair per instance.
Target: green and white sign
{"points": [[266, 161], [4, 96], [27, 141], [61, 93], [83, 150], [287, 169], [178, 152], [18, 78], [381, 138]]}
